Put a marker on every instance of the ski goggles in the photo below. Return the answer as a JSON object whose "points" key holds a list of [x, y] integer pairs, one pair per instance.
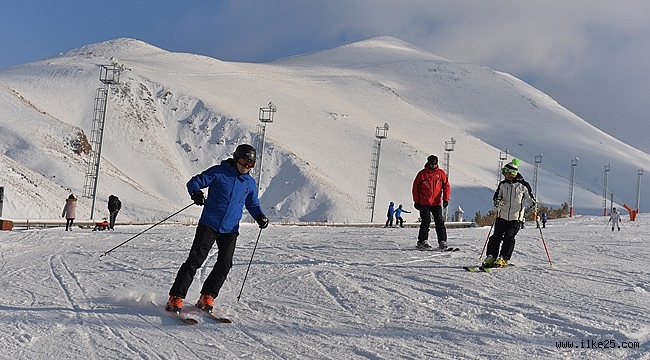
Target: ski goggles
{"points": [[505, 171], [249, 164]]}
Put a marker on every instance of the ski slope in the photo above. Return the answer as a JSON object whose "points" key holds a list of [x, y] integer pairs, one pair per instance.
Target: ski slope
{"points": [[331, 293]]}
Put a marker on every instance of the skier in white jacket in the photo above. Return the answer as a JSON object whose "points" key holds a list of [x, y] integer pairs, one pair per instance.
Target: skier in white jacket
{"points": [[509, 200], [615, 218]]}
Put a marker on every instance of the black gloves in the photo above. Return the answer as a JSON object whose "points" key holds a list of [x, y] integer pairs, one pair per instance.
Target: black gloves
{"points": [[445, 204], [262, 221], [198, 197], [416, 206]]}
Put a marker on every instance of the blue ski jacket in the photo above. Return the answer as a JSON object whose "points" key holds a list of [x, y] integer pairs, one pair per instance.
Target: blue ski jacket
{"points": [[228, 193], [391, 210]]}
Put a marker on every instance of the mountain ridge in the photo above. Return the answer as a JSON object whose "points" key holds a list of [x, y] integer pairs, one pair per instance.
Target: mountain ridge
{"points": [[175, 114]]}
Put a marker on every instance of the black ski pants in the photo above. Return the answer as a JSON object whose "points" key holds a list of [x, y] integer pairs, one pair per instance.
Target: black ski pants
{"points": [[203, 241], [505, 231], [425, 217], [112, 218]]}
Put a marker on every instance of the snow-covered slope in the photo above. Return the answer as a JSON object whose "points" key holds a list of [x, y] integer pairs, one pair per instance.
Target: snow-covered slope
{"points": [[175, 114], [312, 294]]}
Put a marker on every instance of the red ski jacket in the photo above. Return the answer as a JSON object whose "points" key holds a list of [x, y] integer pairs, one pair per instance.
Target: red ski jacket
{"points": [[431, 187]]}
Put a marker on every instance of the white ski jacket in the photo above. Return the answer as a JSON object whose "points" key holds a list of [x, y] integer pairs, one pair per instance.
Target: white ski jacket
{"points": [[512, 195]]}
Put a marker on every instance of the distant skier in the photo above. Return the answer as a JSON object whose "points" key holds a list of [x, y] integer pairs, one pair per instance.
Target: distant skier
{"points": [[509, 200], [615, 218], [430, 195], [398, 216], [230, 189], [390, 214], [544, 218], [69, 211], [114, 206]]}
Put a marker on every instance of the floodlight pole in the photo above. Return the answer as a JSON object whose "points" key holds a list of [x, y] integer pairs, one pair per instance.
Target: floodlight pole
{"points": [[265, 116], [574, 163], [449, 147], [502, 157], [109, 75], [538, 160], [638, 190], [605, 176], [380, 133]]}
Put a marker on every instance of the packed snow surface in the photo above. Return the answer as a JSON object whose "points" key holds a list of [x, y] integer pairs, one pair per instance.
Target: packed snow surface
{"points": [[331, 293]]}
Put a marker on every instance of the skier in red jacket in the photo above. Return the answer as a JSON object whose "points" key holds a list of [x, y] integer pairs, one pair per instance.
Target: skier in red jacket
{"points": [[430, 196]]}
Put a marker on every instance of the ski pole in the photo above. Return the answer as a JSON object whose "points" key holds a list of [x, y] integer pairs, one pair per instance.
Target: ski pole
{"points": [[151, 227], [488, 235], [550, 263], [249, 265], [607, 225]]}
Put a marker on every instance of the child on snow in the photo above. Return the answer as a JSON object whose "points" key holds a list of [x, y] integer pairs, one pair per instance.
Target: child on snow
{"points": [[69, 211]]}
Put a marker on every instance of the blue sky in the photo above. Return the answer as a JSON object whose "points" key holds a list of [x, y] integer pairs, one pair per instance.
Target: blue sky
{"points": [[592, 56]]}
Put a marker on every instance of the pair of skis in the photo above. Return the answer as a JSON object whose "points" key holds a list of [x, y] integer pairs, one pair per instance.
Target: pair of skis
{"points": [[192, 319], [482, 268], [449, 249]]}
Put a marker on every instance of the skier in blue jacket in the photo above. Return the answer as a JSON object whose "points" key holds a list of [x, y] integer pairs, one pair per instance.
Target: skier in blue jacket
{"points": [[398, 215], [389, 214], [230, 188]]}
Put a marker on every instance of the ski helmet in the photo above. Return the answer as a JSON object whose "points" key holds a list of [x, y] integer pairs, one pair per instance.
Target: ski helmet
{"points": [[245, 151], [511, 167], [432, 160]]}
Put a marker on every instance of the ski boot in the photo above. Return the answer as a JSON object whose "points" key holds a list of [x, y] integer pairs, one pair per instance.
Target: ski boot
{"points": [[489, 261], [500, 262], [442, 245], [206, 302], [423, 245], [174, 304]]}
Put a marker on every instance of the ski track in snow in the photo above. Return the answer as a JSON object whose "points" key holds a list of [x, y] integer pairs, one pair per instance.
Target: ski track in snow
{"points": [[330, 293]]}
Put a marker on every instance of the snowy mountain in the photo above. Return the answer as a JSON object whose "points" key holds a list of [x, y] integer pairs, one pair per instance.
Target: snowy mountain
{"points": [[313, 294], [175, 114]]}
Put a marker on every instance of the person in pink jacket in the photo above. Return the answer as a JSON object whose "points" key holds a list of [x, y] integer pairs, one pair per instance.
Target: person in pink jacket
{"points": [[430, 195], [69, 211]]}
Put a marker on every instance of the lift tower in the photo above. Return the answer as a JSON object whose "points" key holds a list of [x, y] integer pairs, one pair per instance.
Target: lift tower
{"points": [[380, 133], [108, 75]]}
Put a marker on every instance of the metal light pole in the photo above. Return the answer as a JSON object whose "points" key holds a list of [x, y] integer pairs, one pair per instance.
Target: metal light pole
{"points": [[109, 75], [503, 156], [266, 116], [538, 160], [449, 147], [574, 163], [380, 133], [607, 169], [638, 191]]}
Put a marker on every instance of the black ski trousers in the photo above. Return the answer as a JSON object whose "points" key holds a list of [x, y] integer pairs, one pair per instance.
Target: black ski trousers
{"points": [[505, 231], [203, 240], [438, 219], [112, 218]]}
